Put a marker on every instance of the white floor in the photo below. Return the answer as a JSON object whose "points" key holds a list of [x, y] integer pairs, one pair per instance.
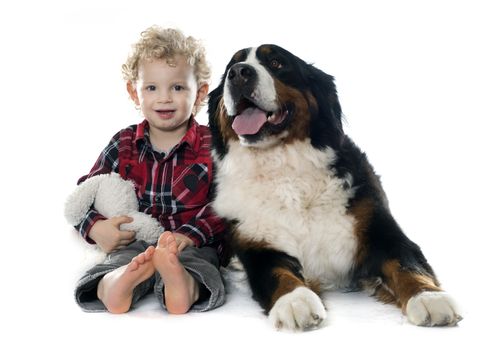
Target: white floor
{"points": [[45, 314]]}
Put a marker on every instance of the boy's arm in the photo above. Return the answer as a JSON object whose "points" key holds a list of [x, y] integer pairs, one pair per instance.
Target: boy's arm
{"points": [[205, 228], [87, 223], [105, 164]]}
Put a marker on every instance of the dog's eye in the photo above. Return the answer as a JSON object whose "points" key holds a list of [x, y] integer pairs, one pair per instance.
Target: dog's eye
{"points": [[275, 64]]}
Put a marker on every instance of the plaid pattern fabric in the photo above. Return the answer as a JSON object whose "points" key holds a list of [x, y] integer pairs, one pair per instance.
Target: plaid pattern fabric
{"points": [[172, 187]]}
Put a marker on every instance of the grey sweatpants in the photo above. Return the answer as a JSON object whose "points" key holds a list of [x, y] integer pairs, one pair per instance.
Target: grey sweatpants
{"points": [[201, 263]]}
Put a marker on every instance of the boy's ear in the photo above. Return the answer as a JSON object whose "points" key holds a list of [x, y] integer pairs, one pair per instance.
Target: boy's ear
{"points": [[202, 92], [132, 91]]}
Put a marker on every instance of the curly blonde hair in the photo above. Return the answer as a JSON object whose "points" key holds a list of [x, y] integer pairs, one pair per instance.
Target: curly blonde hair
{"points": [[160, 43]]}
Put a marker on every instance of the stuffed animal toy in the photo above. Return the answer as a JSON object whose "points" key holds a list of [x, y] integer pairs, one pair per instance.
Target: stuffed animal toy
{"points": [[111, 196]]}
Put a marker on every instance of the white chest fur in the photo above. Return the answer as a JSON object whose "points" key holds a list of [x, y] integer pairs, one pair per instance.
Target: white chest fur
{"points": [[288, 197]]}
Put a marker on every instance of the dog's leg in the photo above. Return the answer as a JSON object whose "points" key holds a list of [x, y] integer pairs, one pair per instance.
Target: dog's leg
{"points": [[406, 277], [419, 296], [278, 285]]}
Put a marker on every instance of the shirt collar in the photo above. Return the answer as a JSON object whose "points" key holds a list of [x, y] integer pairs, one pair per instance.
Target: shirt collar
{"points": [[191, 137]]}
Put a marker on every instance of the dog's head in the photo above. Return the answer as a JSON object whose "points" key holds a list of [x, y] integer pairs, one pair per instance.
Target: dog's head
{"points": [[268, 95]]}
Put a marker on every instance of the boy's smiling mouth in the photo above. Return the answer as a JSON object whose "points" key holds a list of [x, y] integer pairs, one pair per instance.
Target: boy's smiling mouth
{"points": [[165, 113]]}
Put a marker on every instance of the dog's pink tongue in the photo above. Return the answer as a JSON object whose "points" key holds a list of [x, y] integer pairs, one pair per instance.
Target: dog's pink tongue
{"points": [[249, 122]]}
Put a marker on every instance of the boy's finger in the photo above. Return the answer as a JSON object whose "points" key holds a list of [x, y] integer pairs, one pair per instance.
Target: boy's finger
{"points": [[127, 235], [181, 246], [122, 219]]}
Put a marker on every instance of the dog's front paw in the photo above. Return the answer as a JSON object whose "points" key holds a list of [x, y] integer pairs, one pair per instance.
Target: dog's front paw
{"points": [[432, 309], [298, 310]]}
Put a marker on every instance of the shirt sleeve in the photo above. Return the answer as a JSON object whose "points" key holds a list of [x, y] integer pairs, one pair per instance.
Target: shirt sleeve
{"points": [[205, 228], [107, 162], [87, 223]]}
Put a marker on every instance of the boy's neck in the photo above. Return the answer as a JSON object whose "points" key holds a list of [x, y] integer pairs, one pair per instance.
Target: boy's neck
{"points": [[166, 140]]}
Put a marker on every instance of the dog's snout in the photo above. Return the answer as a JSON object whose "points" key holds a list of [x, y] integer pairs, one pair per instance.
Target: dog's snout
{"points": [[241, 74]]}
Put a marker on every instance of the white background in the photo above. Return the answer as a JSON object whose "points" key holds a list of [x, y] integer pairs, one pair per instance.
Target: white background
{"points": [[408, 81]]}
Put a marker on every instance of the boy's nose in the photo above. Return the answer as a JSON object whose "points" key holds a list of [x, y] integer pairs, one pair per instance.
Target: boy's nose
{"points": [[164, 97]]}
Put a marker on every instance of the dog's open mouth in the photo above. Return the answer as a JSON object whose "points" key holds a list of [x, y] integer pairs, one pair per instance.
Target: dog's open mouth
{"points": [[250, 118]]}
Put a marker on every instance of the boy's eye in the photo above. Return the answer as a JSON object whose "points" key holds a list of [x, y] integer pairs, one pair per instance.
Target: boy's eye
{"points": [[178, 88], [150, 88]]}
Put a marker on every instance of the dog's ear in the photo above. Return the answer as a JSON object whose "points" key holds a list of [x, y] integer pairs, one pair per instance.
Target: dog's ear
{"points": [[215, 111], [326, 117]]}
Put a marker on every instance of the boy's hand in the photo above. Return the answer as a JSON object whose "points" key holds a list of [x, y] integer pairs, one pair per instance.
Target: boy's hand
{"points": [[107, 234], [182, 241]]}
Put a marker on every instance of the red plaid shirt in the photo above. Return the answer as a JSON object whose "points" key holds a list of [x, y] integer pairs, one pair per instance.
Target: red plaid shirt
{"points": [[173, 188]]}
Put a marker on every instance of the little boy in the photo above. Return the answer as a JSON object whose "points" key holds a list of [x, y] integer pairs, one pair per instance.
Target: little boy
{"points": [[167, 156]]}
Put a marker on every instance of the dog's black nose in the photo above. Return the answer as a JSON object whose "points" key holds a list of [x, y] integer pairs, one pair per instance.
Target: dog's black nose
{"points": [[241, 74]]}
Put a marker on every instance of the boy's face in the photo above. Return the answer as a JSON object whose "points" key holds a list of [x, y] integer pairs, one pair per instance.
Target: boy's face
{"points": [[166, 94]]}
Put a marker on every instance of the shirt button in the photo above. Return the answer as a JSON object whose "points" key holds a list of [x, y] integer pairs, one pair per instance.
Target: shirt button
{"points": [[157, 198]]}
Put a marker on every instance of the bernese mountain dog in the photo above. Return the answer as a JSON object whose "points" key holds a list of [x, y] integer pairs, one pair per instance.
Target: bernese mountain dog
{"points": [[307, 211]]}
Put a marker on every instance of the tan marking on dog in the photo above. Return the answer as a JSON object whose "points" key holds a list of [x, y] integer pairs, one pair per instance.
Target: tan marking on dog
{"points": [[224, 123], [265, 49], [384, 295], [314, 285], [376, 288], [287, 282], [239, 55], [405, 284], [362, 211], [300, 126]]}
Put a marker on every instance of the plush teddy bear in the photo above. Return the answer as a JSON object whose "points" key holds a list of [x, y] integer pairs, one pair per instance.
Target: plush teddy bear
{"points": [[111, 196]]}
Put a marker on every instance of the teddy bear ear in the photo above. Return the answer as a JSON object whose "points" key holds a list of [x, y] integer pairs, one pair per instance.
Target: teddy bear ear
{"points": [[81, 200]]}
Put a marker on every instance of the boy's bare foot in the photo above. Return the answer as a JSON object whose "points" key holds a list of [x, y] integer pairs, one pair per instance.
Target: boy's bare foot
{"points": [[115, 289], [181, 289]]}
